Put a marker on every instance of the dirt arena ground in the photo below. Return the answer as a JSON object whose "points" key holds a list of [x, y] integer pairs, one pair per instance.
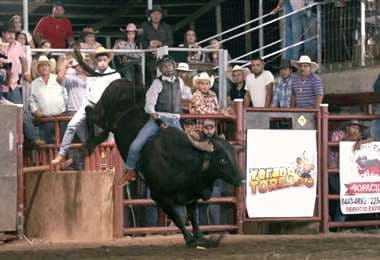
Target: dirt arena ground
{"points": [[332, 246]]}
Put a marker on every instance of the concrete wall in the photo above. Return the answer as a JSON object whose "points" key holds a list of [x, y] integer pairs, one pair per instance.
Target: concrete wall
{"points": [[350, 81], [69, 206]]}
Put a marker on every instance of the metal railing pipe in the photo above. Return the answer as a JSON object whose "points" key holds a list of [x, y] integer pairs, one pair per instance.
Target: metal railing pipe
{"points": [[265, 24], [234, 28]]}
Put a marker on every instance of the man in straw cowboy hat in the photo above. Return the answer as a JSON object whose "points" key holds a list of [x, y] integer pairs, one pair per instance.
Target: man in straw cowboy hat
{"points": [[283, 87], [96, 87], [307, 87], [155, 32], [47, 98], [55, 28], [259, 85], [163, 105]]}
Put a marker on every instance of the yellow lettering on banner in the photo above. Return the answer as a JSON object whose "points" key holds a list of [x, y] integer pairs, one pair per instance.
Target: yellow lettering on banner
{"points": [[282, 172], [253, 173], [262, 174], [268, 173], [276, 172], [253, 184]]}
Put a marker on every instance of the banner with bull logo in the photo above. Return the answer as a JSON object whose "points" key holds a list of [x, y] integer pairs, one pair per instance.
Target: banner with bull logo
{"points": [[281, 173], [359, 178]]}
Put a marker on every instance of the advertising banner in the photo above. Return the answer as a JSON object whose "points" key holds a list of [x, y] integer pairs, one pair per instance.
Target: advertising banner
{"points": [[281, 173]]}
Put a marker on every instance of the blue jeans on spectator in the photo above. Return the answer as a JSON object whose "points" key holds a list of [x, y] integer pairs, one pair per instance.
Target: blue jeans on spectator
{"points": [[210, 214], [149, 130], [334, 188], [300, 26], [47, 131], [14, 95], [77, 125], [30, 130]]}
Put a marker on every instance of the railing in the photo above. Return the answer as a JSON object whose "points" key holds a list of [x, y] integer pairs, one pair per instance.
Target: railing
{"points": [[159, 52]]}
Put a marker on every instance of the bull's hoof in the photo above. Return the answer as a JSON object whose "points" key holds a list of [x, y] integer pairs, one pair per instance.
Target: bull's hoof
{"points": [[213, 241]]}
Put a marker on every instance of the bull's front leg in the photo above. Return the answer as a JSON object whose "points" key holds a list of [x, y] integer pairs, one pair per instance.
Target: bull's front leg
{"points": [[178, 218], [200, 240]]}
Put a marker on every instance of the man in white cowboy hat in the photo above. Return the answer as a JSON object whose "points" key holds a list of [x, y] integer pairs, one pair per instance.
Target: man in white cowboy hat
{"points": [[307, 87], [155, 32], [55, 28], [259, 85], [183, 71], [163, 105], [95, 87], [47, 98], [283, 87], [237, 90]]}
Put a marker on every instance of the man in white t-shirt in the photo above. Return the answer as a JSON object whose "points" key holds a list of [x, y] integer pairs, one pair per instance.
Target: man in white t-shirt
{"points": [[259, 85]]}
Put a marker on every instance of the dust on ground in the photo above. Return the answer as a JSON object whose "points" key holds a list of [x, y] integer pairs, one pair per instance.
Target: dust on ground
{"points": [[331, 246]]}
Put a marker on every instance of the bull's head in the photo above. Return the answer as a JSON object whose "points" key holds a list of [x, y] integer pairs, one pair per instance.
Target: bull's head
{"points": [[223, 162]]}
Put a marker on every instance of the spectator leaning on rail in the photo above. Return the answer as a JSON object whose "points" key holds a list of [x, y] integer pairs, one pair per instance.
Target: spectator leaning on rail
{"points": [[307, 88], [95, 87], [56, 28], [259, 85], [47, 98], [163, 104], [155, 32], [17, 57], [283, 87]]}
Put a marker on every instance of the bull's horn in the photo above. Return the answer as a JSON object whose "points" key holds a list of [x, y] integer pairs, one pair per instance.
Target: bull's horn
{"points": [[205, 146]]}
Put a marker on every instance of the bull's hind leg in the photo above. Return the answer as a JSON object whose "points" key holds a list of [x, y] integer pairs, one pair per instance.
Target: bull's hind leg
{"points": [[200, 240], [178, 218]]}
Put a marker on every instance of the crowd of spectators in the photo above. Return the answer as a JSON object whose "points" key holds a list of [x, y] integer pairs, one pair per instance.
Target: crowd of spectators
{"points": [[50, 85]]}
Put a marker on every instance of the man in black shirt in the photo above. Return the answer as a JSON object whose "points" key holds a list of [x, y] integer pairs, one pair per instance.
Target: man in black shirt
{"points": [[238, 86], [156, 33]]}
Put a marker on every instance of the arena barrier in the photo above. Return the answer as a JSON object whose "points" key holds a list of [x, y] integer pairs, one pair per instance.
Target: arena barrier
{"points": [[11, 177], [106, 156], [327, 146]]}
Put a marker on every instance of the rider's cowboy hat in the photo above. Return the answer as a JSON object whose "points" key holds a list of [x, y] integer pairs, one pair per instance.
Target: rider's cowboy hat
{"points": [[304, 59], [203, 76]]}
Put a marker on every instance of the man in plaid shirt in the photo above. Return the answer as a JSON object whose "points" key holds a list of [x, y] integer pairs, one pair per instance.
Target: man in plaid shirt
{"points": [[283, 88]]}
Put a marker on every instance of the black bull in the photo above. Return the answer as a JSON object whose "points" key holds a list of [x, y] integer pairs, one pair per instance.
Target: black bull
{"points": [[176, 173]]}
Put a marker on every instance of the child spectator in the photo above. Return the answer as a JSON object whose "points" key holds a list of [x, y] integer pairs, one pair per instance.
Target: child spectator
{"points": [[204, 100]]}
